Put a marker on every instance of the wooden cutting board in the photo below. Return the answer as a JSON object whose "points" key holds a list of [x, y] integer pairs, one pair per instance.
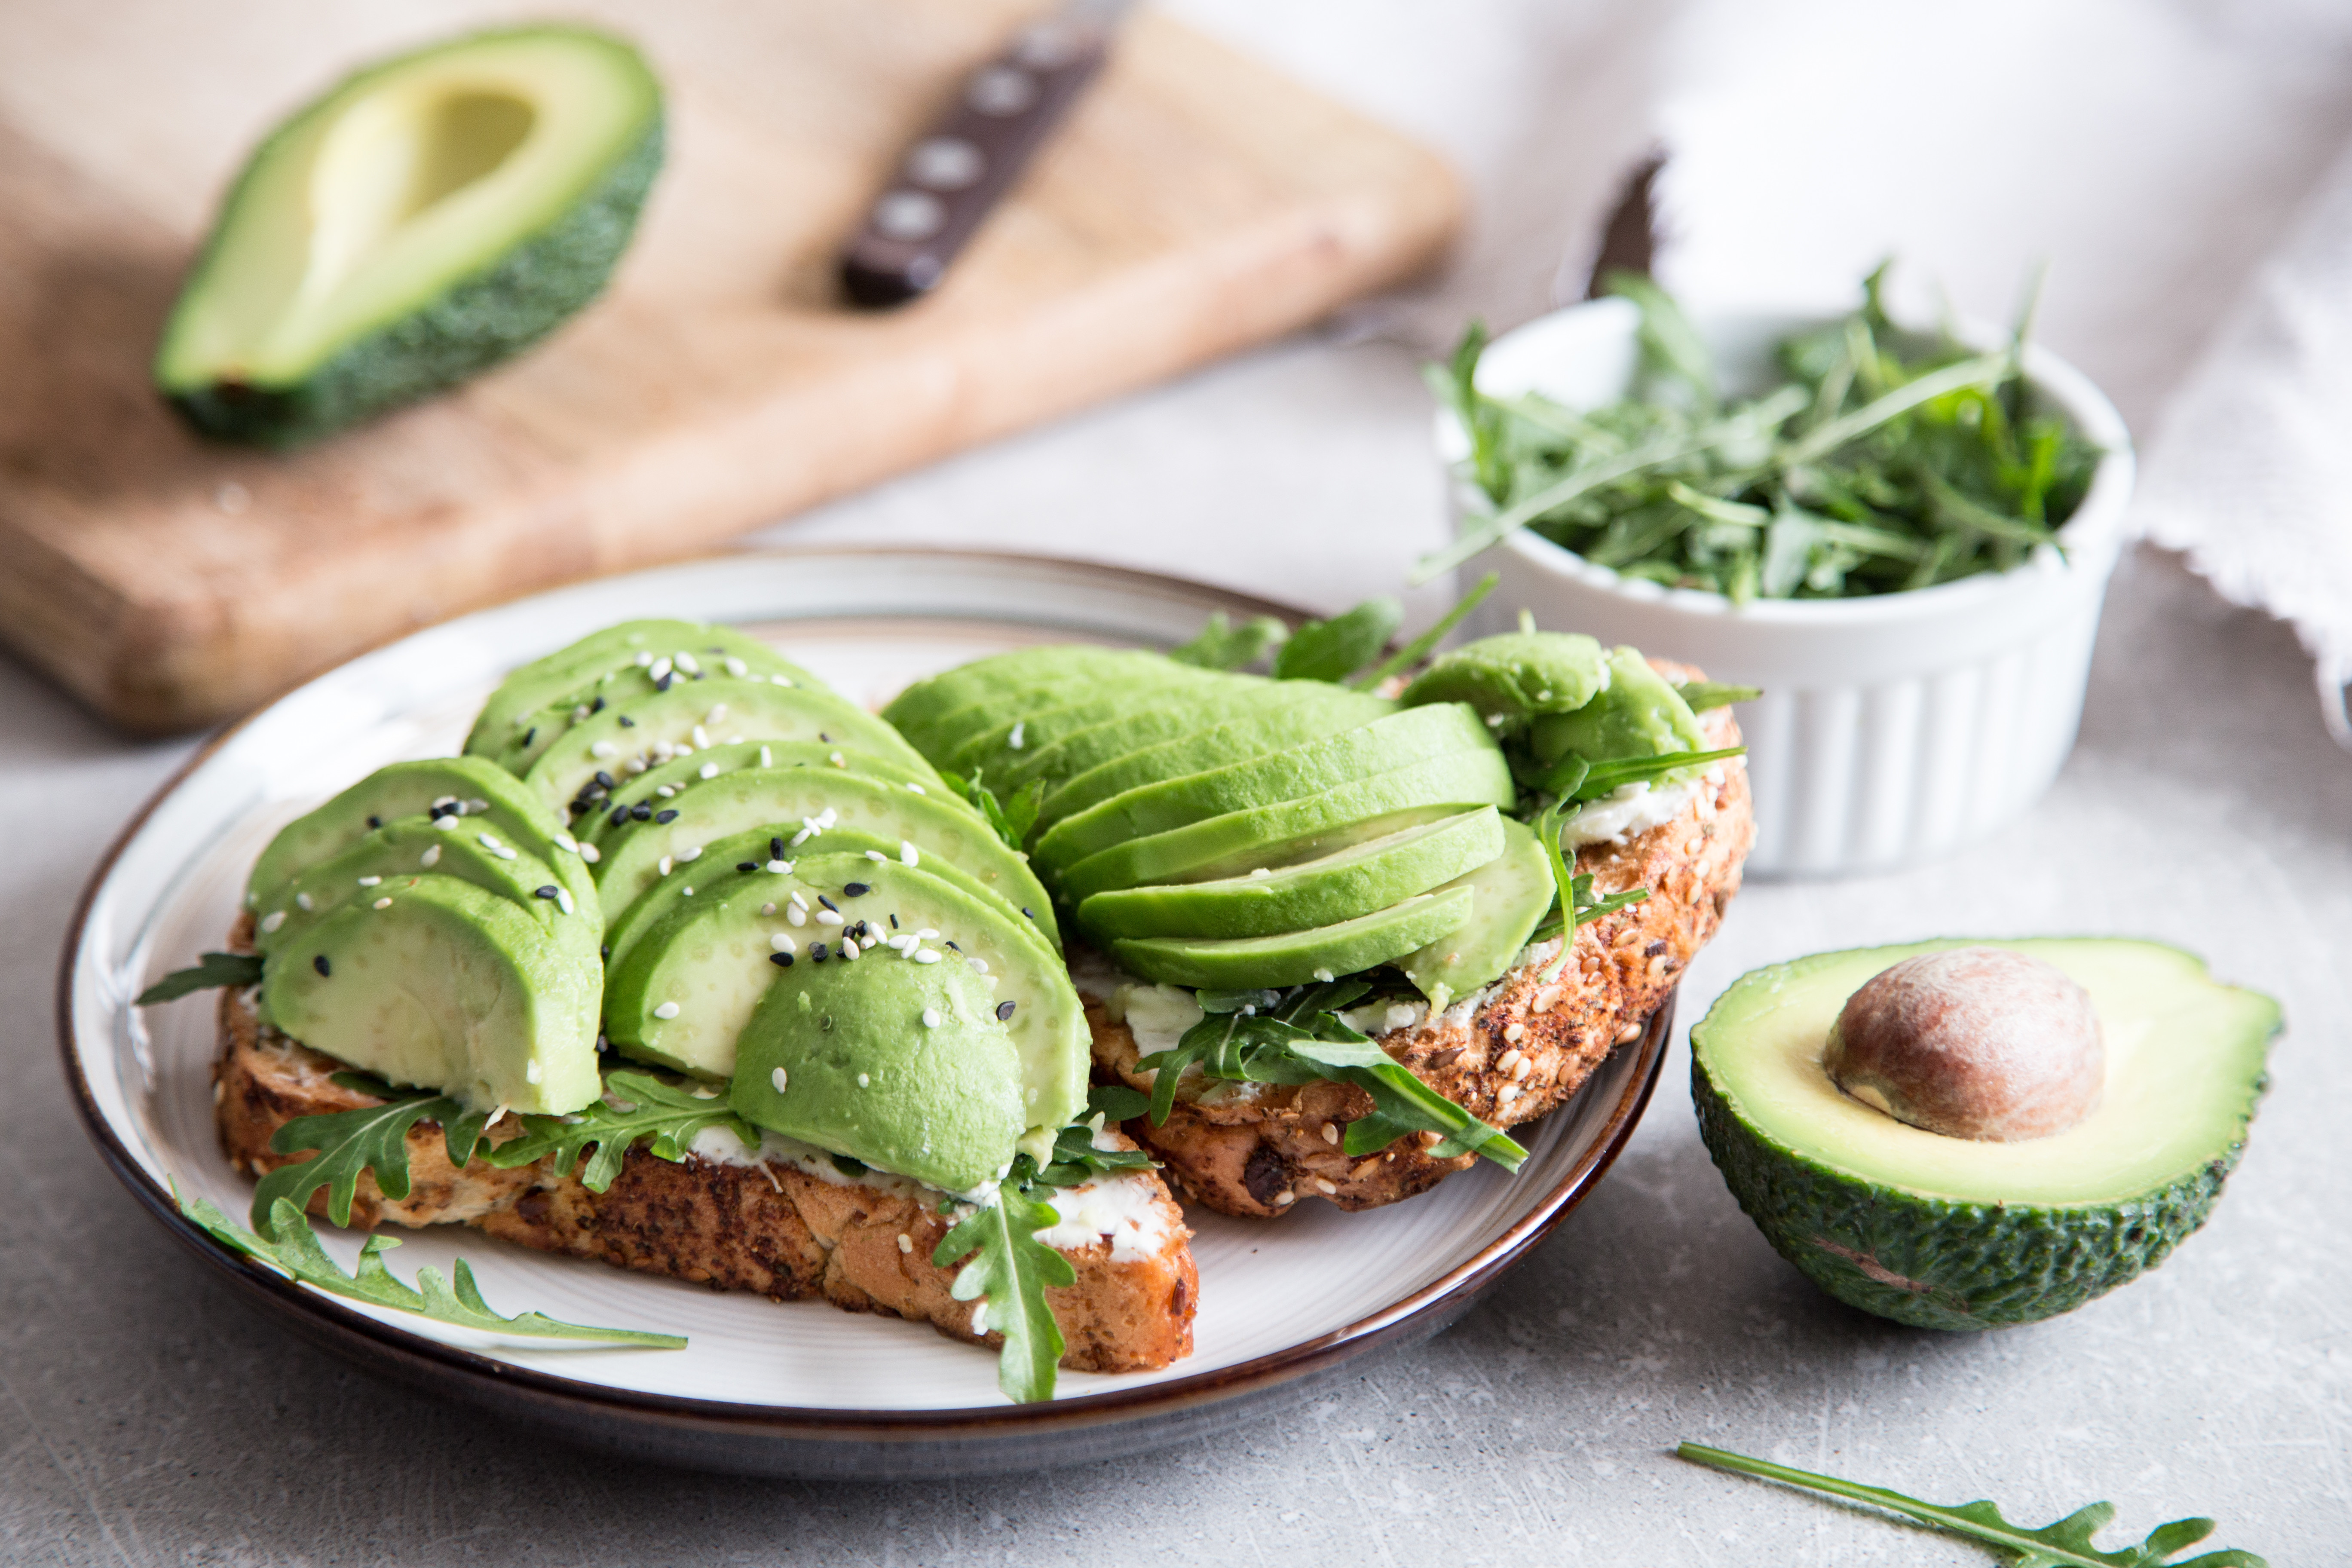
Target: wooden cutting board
{"points": [[1195, 203]]}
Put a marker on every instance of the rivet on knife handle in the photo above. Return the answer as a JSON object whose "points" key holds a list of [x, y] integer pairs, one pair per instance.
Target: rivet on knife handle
{"points": [[956, 172]]}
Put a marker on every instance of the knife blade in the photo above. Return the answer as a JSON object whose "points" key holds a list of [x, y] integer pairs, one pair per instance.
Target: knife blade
{"points": [[950, 178]]}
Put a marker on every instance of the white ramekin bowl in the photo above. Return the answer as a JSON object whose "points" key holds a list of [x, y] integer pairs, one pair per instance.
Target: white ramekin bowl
{"points": [[1892, 728]]}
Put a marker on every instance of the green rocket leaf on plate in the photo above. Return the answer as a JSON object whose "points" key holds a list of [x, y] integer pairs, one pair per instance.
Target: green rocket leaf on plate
{"points": [[1224, 645], [1010, 820], [1703, 695], [366, 1138], [636, 1109], [2064, 1544], [1008, 1270], [1421, 647], [212, 972], [291, 1247], [1337, 648]]}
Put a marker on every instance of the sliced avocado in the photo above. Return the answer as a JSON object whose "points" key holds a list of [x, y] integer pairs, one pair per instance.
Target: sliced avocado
{"points": [[992, 750], [425, 218], [902, 1066], [412, 847], [1205, 850], [656, 729], [760, 797], [1294, 958], [1192, 740], [1360, 879], [1639, 714], [1513, 677], [541, 729], [1314, 767], [1947, 1233], [719, 871], [1024, 675], [689, 987], [574, 673], [647, 789], [448, 988], [1515, 892], [478, 796]]}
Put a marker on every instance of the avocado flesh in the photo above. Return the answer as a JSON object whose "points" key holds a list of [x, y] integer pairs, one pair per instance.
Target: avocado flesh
{"points": [[574, 671], [718, 872], [1953, 1234], [687, 772], [448, 988], [425, 218], [1294, 958], [864, 1076], [1360, 879], [1195, 740], [766, 797], [1024, 674], [1515, 890], [399, 851], [1639, 714], [743, 711], [537, 730], [1204, 851], [1516, 676], [1011, 767], [1327, 762], [510, 813], [711, 960]]}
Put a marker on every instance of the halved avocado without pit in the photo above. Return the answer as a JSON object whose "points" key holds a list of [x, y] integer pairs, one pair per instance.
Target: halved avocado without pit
{"points": [[1953, 1233], [425, 218]]}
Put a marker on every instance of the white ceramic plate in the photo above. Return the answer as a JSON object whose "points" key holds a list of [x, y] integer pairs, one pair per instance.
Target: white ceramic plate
{"points": [[798, 1388]]}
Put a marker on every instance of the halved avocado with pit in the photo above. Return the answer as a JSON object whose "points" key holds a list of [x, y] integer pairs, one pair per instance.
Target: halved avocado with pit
{"points": [[425, 218], [1952, 1233]]}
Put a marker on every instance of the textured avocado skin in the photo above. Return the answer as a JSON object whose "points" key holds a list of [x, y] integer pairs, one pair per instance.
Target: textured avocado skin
{"points": [[519, 297], [1938, 1264]]}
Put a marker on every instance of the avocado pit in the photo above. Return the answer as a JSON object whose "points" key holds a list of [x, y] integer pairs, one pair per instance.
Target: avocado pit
{"points": [[1974, 1042]]}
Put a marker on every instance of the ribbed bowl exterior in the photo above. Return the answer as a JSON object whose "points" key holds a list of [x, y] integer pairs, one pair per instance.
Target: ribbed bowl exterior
{"points": [[1892, 729]]}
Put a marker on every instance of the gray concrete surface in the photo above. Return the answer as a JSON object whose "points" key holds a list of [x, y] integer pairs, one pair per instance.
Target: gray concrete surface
{"points": [[148, 1418]]}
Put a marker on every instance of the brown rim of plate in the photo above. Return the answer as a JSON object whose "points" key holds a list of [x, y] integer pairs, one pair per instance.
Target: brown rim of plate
{"points": [[413, 1355]]}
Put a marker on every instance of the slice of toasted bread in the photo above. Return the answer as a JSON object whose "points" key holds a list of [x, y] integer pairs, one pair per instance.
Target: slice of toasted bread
{"points": [[743, 1224], [1510, 1054]]}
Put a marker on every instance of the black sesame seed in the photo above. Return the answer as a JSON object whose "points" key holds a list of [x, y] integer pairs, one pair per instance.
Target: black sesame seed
{"points": [[855, 889], [775, 848], [597, 706], [828, 903], [620, 815], [781, 959], [546, 892], [443, 805], [951, 944], [669, 814], [1030, 913], [607, 950], [641, 812], [604, 778], [375, 822], [531, 734], [319, 962], [816, 951], [663, 684], [1004, 1009], [747, 864], [894, 920], [826, 738], [627, 722]]}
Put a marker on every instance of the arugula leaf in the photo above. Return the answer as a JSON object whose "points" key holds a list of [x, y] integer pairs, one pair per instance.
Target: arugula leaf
{"points": [[1302, 1041], [1336, 648], [2064, 1544], [365, 1138], [1703, 695], [1010, 820], [1420, 647], [1672, 350], [1008, 1269], [1573, 890], [1115, 1102], [214, 971], [650, 1110], [1223, 645], [291, 1247], [1573, 778]]}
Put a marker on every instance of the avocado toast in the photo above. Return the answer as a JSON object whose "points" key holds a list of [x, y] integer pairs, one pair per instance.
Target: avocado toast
{"points": [[693, 967]]}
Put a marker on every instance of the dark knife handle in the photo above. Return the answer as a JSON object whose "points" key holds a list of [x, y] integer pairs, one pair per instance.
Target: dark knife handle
{"points": [[951, 176]]}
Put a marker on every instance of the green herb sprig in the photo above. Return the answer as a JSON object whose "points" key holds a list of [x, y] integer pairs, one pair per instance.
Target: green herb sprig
{"points": [[2064, 1544], [1576, 905], [215, 970], [1297, 1037], [1888, 460], [1224, 645], [1010, 820], [1005, 1265], [664, 1117], [289, 1246], [348, 1144]]}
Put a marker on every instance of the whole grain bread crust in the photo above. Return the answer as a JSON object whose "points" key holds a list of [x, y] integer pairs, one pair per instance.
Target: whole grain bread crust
{"points": [[764, 1226], [1516, 1052]]}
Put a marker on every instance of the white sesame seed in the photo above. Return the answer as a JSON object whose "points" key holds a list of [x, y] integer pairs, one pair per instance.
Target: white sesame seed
{"points": [[931, 1019], [1546, 999], [1324, 976], [907, 854], [978, 965], [848, 947], [384, 903], [767, 757], [604, 751], [1331, 1132], [776, 1077], [1515, 1034], [477, 806], [1629, 1034], [666, 864], [487, 842], [917, 789], [1521, 1068], [827, 917], [878, 857], [683, 750], [591, 854], [800, 900], [1013, 740], [778, 681], [863, 1081], [737, 667], [666, 791], [664, 750], [687, 892], [691, 852], [634, 766], [1509, 1059], [302, 902], [563, 900], [530, 1071], [803, 836], [927, 935], [781, 868], [658, 668], [1510, 1092], [781, 942], [827, 817], [1259, 873], [579, 713], [707, 771], [272, 920], [503, 853], [565, 841], [701, 739], [926, 955], [1283, 1200], [906, 1242], [793, 914], [685, 662], [445, 824], [666, 1010], [644, 660], [370, 881], [1325, 1185]]}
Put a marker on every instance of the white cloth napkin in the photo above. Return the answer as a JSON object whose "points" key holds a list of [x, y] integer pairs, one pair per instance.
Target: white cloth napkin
{"points": [[2250, 470]]}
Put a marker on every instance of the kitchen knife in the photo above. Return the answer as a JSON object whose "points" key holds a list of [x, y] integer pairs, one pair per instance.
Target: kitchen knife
{"points": [[951, 176]]}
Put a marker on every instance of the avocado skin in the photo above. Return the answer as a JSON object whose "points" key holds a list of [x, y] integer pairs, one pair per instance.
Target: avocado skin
{"points": [[519, 298], [1936, 1263]]}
